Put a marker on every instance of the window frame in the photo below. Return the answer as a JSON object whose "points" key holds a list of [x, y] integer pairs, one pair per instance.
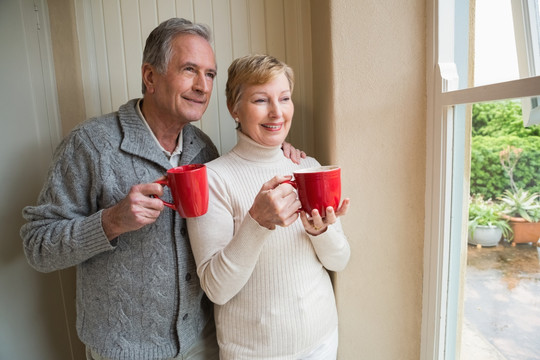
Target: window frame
{"points": [[525, 14], [444, 202]]}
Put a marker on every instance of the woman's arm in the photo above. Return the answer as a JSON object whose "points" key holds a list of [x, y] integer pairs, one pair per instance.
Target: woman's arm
{"points": [[226, 256], [332, 247]]}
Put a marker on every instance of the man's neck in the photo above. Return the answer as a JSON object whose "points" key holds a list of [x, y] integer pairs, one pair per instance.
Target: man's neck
{"points": [[165, 131]]}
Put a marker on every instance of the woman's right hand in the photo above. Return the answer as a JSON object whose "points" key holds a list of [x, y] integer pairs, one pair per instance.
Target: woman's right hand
{"points": [[275, 204]]}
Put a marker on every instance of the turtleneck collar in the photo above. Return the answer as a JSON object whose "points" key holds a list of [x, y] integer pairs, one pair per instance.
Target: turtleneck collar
{"points": [[250, 150]]}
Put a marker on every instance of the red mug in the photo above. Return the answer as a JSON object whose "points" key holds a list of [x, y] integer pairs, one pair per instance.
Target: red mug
{"points": [[318, 188], [189, 189]]}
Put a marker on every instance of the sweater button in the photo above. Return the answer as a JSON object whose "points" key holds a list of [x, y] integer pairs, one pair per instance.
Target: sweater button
{"points": [[183, 232], [188, 276], [185, 317]]}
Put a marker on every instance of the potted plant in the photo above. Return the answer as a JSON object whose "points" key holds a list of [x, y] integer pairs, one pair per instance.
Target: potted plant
{"points": [[522, 211], [486, 226]]}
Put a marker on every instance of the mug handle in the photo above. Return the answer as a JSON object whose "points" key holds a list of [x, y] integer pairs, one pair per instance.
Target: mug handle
{"points": [[294, 185], [290, 182], [164, 182]]}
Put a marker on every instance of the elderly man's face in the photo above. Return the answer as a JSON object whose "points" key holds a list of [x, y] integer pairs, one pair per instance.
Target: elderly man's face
{"points": [[183, 92]]}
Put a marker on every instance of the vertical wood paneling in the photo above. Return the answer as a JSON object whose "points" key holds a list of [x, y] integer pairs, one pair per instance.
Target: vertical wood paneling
{"points": [[184, 9], [257, 27], [113, 33], [223, 47], [102, 66], [275, 29], [148, 20], [131, 28], [115, 52], [203, 13], [293, 41], [239, 28], [87, 52], [165, 9]]}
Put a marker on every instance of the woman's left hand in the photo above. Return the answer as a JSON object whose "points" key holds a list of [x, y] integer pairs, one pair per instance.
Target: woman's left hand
{"points": [[316, 224]]}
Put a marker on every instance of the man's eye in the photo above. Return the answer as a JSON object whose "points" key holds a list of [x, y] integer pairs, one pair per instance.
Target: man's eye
{"points": [[285, 99], [211, 75]]}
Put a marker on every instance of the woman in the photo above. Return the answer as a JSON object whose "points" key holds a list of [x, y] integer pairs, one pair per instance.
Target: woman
{"points": [[266, 270]]}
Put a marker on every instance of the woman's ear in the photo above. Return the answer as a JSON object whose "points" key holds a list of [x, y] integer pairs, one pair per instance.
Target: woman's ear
{"points": [[233, 113]]}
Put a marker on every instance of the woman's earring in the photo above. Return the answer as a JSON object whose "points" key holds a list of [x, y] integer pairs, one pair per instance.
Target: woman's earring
{"points": [[237, 120]]}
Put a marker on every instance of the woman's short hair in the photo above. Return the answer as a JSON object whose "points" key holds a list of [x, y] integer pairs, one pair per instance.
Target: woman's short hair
{"points": [[253, 70], [158, 48]]}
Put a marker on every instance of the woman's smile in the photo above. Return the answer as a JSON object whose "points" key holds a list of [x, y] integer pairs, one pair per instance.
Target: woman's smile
{"points": [[265, 111]]}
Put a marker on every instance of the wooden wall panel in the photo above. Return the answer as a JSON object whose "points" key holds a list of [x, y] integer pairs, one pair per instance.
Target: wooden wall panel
{"points": [[112, 34], [184, 8], [131, 30], [239, 26], [257, 26], [115, 52]]}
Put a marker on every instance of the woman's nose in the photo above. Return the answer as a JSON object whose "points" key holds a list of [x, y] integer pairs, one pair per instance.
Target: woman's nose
{"points": [[275, 109]]}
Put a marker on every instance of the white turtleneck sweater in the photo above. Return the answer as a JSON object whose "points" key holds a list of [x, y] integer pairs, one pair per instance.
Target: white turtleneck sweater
{"points": [[273, 295]]}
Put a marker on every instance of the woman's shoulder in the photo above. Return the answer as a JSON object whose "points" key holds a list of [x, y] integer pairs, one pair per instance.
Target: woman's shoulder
{"points": [[308, 162]]}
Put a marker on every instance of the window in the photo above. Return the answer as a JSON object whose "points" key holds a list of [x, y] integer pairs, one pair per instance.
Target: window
{"points": [[526, 16], [449, 93]]}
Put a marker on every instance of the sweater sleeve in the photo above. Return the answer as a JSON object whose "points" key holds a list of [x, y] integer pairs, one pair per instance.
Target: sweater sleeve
{"points": [[64, 228], [225, 259], [332, 247]]}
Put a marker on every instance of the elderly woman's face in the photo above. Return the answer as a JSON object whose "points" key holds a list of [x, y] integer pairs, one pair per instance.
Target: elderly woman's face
{"points": [[265, 111]]}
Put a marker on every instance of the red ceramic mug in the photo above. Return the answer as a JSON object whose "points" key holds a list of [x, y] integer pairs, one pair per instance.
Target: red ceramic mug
{"points": [[189, 189], [318, 188]]}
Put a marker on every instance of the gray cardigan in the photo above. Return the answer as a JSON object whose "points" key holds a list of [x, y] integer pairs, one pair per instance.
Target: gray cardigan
{"points": [[138, 297]]}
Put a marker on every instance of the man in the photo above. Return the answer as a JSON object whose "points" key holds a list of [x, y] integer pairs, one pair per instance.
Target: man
{"points": [[138, 295]]}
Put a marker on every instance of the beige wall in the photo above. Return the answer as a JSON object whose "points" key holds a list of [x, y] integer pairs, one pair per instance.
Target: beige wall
{"points": [[370, 96], [369, 117]]}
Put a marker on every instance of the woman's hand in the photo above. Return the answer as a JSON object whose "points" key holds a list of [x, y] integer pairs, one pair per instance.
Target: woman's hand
{"points": [[316, 224], [275, 204]]}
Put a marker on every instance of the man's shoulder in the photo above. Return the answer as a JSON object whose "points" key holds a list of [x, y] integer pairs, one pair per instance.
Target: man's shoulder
{"points": [[108, 123]]}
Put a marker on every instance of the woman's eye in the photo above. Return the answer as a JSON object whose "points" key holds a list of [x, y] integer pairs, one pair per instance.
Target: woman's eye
{"points": [[260, 100]]}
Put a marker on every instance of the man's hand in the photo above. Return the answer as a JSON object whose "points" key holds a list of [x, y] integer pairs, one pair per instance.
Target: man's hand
{"points": [[291, 153], [275, 204], [133, 212]]}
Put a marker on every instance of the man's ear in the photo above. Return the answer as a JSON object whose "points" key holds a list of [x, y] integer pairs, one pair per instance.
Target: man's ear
{"points": [[148, 73]]}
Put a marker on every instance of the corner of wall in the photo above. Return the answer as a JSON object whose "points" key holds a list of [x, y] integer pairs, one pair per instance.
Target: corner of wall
{"points": [[323, 79], [66, 63]]}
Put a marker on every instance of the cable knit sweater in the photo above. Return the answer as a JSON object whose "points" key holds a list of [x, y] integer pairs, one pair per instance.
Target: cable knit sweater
{"points": [[138, 297], [273, 295]]}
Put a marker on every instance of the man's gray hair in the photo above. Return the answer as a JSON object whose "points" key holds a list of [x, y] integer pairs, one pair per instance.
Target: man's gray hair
{"points": [[158, 48]]}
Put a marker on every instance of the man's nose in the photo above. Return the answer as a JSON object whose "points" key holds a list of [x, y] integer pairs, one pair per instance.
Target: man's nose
{"points": [[202, 84]]}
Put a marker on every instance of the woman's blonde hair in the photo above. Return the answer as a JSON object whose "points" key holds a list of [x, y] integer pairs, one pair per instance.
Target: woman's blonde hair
{"points": [[253, 70]]}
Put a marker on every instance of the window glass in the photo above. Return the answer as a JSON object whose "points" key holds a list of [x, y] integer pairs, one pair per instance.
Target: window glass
{"points": [[506, 40]]}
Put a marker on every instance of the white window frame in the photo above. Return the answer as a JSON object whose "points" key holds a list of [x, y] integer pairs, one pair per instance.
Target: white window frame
{"points": [[441, 280], [526, 17]]}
